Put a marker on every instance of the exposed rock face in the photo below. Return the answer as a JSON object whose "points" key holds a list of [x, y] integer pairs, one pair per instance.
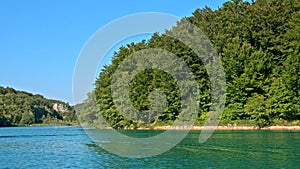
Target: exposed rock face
{"points": [[60, 107]]}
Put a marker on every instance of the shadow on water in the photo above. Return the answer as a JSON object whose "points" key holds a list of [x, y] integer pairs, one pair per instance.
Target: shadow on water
{"points": [[225, 149], [140, 133]]}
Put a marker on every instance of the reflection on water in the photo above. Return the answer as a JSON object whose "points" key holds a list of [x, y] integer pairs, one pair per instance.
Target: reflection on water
{"points": [[69, 147]]}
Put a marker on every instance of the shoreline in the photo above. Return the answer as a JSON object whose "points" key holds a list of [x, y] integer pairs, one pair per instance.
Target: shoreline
{"points": [[228, 128], [195, 128]]}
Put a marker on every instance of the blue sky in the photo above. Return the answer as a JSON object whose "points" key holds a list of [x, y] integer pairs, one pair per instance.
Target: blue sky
{"points": [[41, 40]]}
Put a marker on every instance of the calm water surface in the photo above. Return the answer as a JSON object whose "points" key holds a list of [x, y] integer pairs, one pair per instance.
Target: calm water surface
{"points": [[70, 147]]}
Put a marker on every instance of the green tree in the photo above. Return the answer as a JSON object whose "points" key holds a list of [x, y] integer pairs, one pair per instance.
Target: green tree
{"points": [[27, 118], [256, 108]]}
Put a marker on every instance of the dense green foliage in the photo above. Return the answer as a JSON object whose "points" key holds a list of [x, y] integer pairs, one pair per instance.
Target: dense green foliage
{"points": [[259, 45], [22, 108]]}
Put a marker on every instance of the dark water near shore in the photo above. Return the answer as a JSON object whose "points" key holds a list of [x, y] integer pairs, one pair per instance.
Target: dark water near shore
{"points": [[70, 147]]}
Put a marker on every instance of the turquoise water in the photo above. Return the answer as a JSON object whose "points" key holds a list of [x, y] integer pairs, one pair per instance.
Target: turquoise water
{"points": [[69, 147]]}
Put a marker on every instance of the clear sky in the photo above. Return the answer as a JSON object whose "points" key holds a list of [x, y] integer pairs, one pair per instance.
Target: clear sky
{"points": [[40, 40]]}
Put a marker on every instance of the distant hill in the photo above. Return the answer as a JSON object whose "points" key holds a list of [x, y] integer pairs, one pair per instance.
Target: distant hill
{"points": [[23, 108]]}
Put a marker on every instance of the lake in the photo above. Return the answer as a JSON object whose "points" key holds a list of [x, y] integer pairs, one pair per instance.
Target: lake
{"points": [[70, 147]]}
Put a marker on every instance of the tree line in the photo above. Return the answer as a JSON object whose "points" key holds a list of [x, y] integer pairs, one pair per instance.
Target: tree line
{"points": [[259, 45]]}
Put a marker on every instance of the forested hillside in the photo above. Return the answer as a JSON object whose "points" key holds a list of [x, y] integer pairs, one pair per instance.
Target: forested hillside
{"points": [[22, 108], [259, 45]]}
